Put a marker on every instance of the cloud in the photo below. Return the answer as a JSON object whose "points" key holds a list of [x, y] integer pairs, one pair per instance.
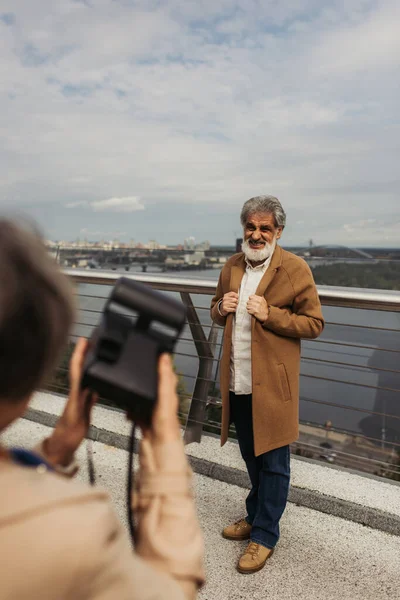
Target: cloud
{"points": [[127, 204], [122, 205], [371, 42], [201, 104]]}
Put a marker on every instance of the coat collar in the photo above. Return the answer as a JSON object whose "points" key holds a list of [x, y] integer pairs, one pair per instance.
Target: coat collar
{"points": [[239, 267]]}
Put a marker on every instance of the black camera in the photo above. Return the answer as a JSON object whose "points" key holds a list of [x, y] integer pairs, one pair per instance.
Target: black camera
{"points": [[137, 325]]}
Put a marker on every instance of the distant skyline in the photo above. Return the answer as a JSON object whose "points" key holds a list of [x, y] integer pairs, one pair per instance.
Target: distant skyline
{"points": [[157, 119], [145, 244]]}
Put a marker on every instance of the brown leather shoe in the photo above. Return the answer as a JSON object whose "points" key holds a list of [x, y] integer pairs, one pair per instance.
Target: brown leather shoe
{"points": [[254, 558], [238, 531]]}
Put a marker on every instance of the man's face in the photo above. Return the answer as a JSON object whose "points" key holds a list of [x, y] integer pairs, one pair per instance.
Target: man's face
{"points": [[260, 231]]}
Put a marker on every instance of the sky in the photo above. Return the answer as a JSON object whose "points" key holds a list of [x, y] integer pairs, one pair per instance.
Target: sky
{"points": [[157, 119]]}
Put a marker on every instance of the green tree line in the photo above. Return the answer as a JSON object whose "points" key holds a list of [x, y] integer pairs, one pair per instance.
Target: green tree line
{"points": [[381, 276]]}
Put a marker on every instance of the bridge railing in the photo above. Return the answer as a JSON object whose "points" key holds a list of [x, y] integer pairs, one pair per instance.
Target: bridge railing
{"points": [[350, 376]]}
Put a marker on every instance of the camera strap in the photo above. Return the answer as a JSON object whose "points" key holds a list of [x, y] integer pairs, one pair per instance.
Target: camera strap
{"points": [[130, 484], [90, 462], [130, 478]]}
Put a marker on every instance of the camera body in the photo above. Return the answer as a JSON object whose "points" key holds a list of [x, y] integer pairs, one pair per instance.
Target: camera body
{"points": [[122, 360]]}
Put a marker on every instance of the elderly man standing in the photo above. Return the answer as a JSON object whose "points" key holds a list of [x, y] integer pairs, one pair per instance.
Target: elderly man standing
{"points": [[267, 301]]}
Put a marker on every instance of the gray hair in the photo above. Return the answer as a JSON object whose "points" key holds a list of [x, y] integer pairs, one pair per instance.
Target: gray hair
{"points": [[264, 204]]}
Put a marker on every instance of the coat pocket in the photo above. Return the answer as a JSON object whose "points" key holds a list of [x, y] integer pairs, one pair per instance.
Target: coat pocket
{"points": [[284, 382]]}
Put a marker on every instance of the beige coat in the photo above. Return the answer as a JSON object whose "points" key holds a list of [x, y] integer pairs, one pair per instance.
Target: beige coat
{"points": [[295, 313], [61, 540]]}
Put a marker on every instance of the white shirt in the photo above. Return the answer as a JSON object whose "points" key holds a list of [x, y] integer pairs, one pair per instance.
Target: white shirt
{"points": [[240, 367]]}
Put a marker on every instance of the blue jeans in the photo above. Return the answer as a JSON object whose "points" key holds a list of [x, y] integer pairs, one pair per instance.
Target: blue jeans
{"points": [[269, 476]]}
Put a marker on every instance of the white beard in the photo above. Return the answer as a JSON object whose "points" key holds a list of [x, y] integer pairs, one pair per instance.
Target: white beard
{"points": [[256, 255]]}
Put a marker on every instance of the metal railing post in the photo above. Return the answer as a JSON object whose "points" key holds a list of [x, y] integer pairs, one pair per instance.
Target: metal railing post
{"points": [[205, 348]]}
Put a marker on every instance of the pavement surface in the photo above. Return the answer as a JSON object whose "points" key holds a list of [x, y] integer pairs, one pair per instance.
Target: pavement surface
{"points": [[319, 557]]}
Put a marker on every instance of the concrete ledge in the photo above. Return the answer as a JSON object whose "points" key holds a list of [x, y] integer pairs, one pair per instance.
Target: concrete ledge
{"points": [[299, 495]]}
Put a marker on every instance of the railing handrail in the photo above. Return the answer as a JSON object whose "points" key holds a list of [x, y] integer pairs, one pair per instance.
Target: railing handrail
{"points": [[365, 298]]}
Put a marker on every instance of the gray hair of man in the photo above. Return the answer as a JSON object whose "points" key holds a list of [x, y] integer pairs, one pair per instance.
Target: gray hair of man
{"points": [[264, 204]]}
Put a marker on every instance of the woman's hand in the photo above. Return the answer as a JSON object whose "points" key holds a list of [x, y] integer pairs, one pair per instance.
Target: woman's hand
{"points": [[165, 426], [73, 425]]}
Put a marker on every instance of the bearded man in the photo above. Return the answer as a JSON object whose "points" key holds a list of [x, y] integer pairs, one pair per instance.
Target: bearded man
{"points": [[267, 302]]}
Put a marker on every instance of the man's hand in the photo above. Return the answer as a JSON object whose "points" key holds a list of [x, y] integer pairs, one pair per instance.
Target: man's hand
{"points": [[258, 307], [229, 303], [73, 425]]}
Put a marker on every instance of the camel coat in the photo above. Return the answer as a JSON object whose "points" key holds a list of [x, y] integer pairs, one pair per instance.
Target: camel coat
{"points": [[295, 313]]}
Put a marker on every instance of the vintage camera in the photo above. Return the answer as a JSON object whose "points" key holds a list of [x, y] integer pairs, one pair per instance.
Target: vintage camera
{"points": [[137, 325]]}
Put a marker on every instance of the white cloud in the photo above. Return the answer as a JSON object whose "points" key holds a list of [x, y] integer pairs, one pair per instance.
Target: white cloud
{"points": [[373, 42], [127, 204], [122, 205]]}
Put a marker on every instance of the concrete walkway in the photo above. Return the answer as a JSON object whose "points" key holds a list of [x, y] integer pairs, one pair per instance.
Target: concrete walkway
{"points": [[319, 557]]}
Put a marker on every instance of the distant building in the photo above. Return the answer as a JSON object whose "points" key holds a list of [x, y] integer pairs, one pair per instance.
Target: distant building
{"points": [[189, 243], [194, 259], [203, 246]]}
